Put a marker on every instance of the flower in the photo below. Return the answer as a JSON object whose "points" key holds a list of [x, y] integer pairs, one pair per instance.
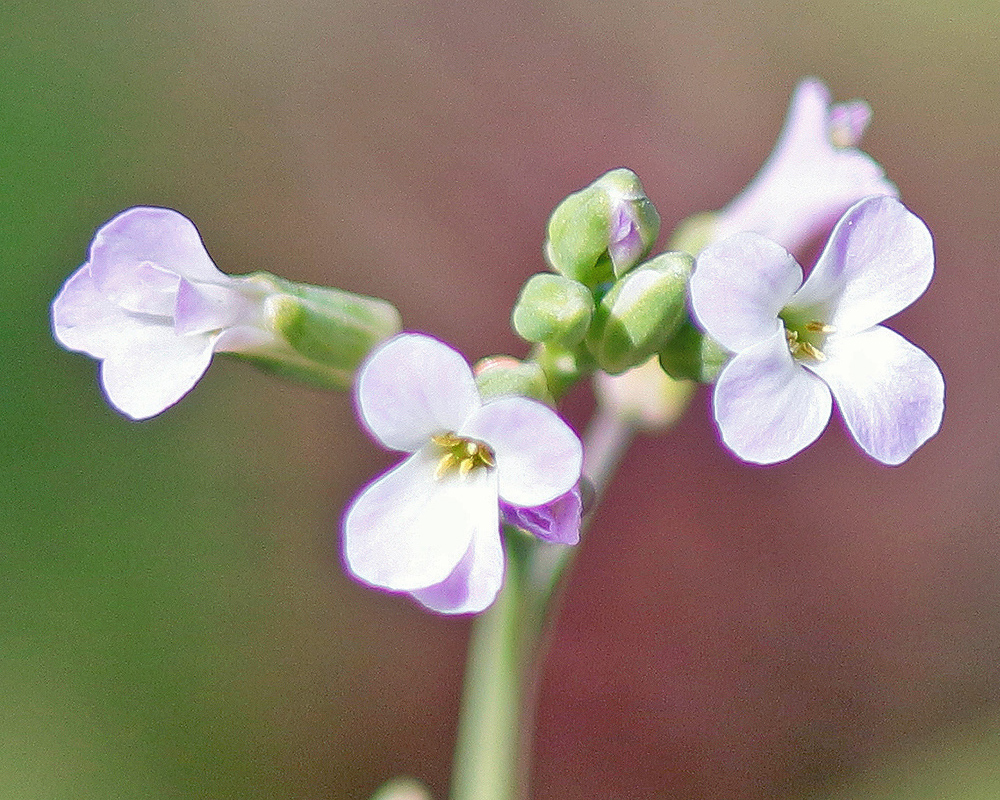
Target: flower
{"points": [[151, 305], [814, 174], [796, 343], [430, 526]]}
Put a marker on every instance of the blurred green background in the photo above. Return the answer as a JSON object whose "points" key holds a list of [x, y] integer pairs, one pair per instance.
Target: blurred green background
{"points": [[175, 622]]}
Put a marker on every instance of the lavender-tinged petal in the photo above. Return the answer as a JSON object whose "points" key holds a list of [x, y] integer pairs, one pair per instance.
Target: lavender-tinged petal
{"points": [[413, 387], [738, 287], [203, 308], [409, 530], [890, 392], [154, 371], [625, 242], [557, 521], [880, 258], [84, 320], [807, 182], [767, 406], [476, 581], [538, 457], [144, 235]]}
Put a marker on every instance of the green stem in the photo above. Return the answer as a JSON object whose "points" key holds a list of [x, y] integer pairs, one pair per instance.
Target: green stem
{"points": [[506, 649]]}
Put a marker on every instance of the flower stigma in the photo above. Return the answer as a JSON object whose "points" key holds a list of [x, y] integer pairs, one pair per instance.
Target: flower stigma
{"points": [[461, 454]]}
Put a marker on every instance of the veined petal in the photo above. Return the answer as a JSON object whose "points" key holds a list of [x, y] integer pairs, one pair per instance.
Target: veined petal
{"points": [[408, 530], [154, 371], [738, 287], [476, 581], [557, 521], [880, 258], [538, 457], [143, 235], [767, 406], [890, 392], [413, 387]]}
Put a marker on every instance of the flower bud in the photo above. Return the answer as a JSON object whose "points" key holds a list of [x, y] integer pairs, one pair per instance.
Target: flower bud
{"points": [[640, 313], [601, 232], [497, 376], [552, 308], [322, 334]]}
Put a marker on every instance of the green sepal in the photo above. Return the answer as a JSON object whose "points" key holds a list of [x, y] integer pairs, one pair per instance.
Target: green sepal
{"points": [[497, 376], [691, 354], [553, 308], [579, 229], [563, 366], [323, 334], [640, 313]]}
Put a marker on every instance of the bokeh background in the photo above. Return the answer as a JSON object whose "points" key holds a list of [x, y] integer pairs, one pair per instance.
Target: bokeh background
{"points": [[174, 620]]}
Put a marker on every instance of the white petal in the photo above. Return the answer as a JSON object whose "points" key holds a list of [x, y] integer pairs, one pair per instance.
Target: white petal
{"points": [[879, 259], [413, 387], [476, 581], [767, 406], [142, 236], [203, 307], [408, 530], [83, 319], [738, 287], [890, 392], [807, 182], [154, 371], [538, 456]]}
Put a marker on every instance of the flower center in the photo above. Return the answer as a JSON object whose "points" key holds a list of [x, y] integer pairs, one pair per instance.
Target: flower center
{"points": [[461, 454], [805, 336]]}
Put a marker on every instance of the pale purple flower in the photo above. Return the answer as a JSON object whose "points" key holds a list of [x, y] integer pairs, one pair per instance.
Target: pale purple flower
{"points": [[430, 527], [557, 521], [814, 174], [796, 343], [153, 308], [625, 245]]}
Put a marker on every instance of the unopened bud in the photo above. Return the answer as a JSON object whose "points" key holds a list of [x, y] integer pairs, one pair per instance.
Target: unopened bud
{"points": [[692, 354], [640, 313], [497, 376], [553, 308], [602, 231]]}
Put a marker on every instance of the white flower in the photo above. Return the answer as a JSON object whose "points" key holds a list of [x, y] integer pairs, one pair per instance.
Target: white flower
{"points": [[796, 343], [430, 526]]}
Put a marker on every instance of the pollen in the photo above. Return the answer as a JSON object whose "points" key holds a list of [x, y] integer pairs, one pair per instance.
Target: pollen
{"points": [[462, 454]]}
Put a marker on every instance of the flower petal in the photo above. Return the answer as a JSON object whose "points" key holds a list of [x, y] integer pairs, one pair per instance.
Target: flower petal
{"points": [[413, 387], [808, 181], [476, 581], [408, 530], [538, 457], [890, 392], [557, 521], [83, 319], [880, 258], [738, 287], [155, 370], [767, 406], [144, 236]]}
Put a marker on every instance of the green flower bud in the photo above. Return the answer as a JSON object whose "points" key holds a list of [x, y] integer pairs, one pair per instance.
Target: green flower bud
{"points": [[552, 308], [640, 313], [563, 366], [693, 355], [602, 231], [325, 333], [497, 376]]}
